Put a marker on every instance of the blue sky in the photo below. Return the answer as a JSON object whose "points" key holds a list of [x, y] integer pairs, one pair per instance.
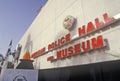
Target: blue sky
{"points": [[15, 17]]}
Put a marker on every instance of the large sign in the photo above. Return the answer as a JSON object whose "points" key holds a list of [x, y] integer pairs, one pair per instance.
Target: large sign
{"points": [[82, 47], [20, 75]]}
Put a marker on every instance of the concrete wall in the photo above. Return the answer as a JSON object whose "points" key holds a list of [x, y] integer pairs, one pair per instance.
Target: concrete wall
{"points": [[48, 27]]}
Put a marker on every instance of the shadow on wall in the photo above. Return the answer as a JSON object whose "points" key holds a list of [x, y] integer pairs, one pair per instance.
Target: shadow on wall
{"points": [[28, 45]]}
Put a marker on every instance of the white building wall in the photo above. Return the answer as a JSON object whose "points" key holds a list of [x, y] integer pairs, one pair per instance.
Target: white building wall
{"points": [[48, 27]]}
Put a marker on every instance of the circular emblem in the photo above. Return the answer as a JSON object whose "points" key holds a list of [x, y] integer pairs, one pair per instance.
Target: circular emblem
{"points": [[68, 22], [20, 78]]}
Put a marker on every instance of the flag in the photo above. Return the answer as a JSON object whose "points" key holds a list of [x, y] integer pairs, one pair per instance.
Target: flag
{"points": [[9, 49], [39, 9], [10, 43], [4, 66]]}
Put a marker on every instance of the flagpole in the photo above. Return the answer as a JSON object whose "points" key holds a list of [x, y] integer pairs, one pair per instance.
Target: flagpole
{"points": [[4, 67]]}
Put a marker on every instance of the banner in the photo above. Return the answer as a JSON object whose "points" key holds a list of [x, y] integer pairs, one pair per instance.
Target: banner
{"points": [[20, 75]]}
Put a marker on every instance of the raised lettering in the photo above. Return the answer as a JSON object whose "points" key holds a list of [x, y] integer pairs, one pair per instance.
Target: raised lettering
{"points": [[97, 42], [86, 45], [107, 19], [70, 50], [98, 23], [59, 54], [81, 31], [90, 27], [77, 48], [68, 37]]}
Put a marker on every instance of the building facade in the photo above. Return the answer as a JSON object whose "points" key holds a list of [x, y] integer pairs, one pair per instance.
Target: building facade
{"points": [[73, 32]]}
